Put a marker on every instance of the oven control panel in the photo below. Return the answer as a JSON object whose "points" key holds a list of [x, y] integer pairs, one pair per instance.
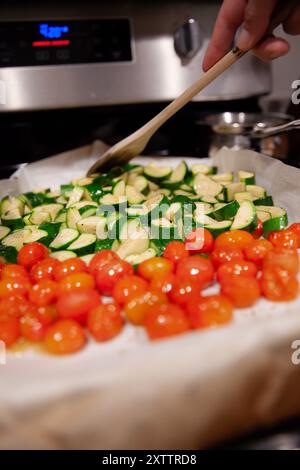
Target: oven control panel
{"points": [[38, 43]]}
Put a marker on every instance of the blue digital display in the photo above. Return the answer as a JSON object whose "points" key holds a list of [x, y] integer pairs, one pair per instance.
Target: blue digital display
{"points": [[53, 32]]}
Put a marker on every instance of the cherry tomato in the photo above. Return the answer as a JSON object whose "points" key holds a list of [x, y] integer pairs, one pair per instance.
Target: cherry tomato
{"points": [[257, 250], [243, 291], [233, 239], [138, 307], [296, 229], [278, 284], [9, 329], [197, 269], [237, 268], [108, 274], [128, 287], [32, 328], [163, 283], [285, 258], [47, 314], [259, 230], [222, 255], [101, 257], [105, 322], [67, 267], [184, 290], [199, 240], [77, 303], [14, 286], [155, 267], [64, 337], [175, 251], [43, 293], [44, 269], [284, 239], [76, 281], [212, 310], [31, 254], [15, 306], [165, 320], [13, 271]]}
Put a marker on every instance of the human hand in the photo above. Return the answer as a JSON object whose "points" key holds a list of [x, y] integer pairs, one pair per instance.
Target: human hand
{"points": [[254, 15]]}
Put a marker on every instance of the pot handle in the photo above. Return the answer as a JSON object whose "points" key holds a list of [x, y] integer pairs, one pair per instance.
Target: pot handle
{"points": [[260, 133]]}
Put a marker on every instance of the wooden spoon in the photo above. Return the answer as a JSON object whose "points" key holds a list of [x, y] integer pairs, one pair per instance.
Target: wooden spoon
{"points": [[134, 144]]}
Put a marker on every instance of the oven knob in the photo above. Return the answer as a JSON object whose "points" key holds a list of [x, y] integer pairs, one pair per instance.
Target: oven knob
{"points": [[188, 39]]}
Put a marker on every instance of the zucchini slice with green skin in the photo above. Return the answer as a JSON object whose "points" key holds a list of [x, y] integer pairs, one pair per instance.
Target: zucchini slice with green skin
{"points": [[246, 177], [119, 188], [4, 231], [226, 211], [52, 209], [223, 177], [9, 253], [133, 195], [230, 189], [246, 218], [16, 238], [36, 235], [133, 229], [105, 244], [73, 216], [84, 244], [203, 169], [135, 260], [218, 227], [157, 173], [64, 238], [76, 195], [52, 230], [38, 199], [38, 218], [114, 201], [263, 216], [209, 200], [265, 201], [10, 202], [63, 255], [163, 229], [26, 219], [205, 186], [257, 192], [13, 219], [278, 220], [136, 211], [177, 176], [96, 225], [133, 247], [243, 196], [141, 184]]}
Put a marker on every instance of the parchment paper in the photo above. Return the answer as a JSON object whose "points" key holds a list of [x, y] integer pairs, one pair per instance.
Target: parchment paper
{"points": [[189, 392]]}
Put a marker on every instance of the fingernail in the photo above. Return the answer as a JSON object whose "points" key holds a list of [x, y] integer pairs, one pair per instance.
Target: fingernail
{"points": [[244, 41]]}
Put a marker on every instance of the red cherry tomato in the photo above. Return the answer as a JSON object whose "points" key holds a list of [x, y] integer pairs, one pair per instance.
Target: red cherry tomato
{"points": [[43, 293], [296, 229], [14, 286], [137, 308], [105, 322], [165, 320], [221, 255], [199, 240], [284, 239], [14, 306], [184, 290], [196, 268], [13, 271], [234, 239], [128, 287], [284, 258], [154, 267], [212, 310], [237, 268], [9, 329], [47, 314], [77, 304], [101, 257], [32, 328], [259, 230], [175, 251], [31, 254], [76, 281], [243, 291], [111, 272], [163, 283], [44, 269], [67, 267], [278, 284], [257, 250], [64, 337]]}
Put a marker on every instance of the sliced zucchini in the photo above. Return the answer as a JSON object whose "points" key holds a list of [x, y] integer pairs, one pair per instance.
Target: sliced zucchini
{"points": [[174, 211], [61, 216], [136, 211], [204, 208], [105, 244], [216, 227], [243, 196], [4, 231], [35, 234], [203, 169], [265, 201], [209, 199], [64, 238], [13, 219], [263, 216], [9, 253], [223, 177], [246, 218], [256, 191], [52, 209], [133, 195], [73, 216], [84, 244], [96, 225], [75, 195], [177, 176], [16, 238], [114, 201], [141, 184], [246, 177], [10, 203], [226, 211], [205, 186], [278, 220], [230, 189], [163, 229], [133, 230], [39, 217], [63, 255], [157, 173], [119, 188], [137, 259], [133, 247]]}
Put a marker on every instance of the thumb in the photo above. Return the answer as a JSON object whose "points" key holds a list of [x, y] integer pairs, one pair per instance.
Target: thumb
{"points": [[256, 20]]}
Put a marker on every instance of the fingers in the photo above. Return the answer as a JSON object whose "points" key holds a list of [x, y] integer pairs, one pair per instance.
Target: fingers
{"points": [[256, 21], [272, 48], [229, 19], [292, 24]]}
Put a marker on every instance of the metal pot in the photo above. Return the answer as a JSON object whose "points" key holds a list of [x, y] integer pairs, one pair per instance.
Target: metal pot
{"points": [[237, 130]]}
